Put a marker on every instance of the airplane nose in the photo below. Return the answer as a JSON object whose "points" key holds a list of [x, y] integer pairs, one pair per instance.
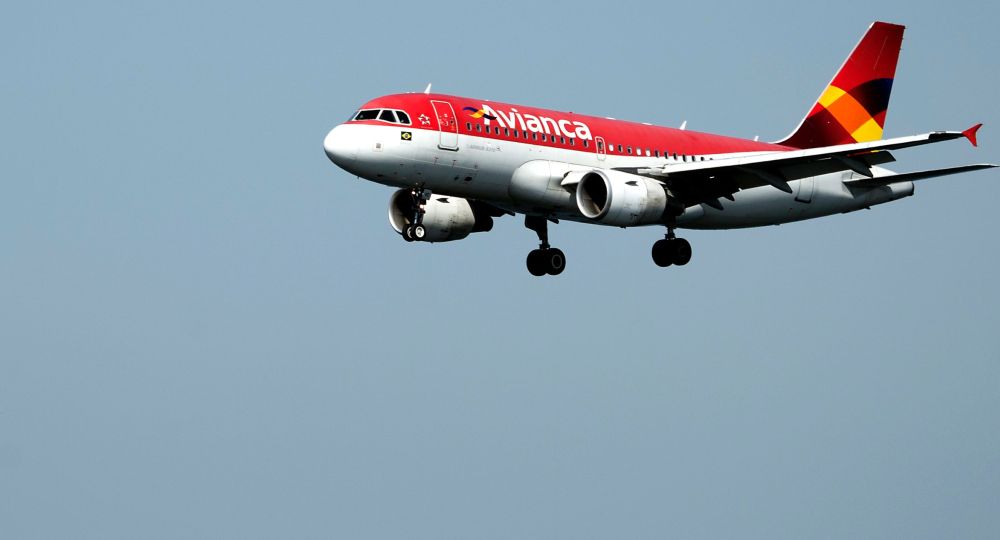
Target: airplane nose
{"points": [[340, 147]]}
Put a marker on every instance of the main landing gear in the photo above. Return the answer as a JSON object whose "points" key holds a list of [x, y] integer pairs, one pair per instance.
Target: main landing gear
{"points": [[671, 250], [545, 259], [415, 230]]}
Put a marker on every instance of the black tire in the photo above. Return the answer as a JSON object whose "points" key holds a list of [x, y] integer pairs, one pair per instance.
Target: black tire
{"points": [[555, 261], [536, 263], [682, 252], [407, 233], [419, 232], [663, 253]]}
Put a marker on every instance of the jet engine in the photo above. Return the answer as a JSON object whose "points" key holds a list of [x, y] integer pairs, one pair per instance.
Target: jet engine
{"points": [[619, 198], [445, 218]]}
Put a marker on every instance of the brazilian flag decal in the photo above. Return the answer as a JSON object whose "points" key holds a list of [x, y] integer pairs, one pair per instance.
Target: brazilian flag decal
{"points": [[406, 135]]}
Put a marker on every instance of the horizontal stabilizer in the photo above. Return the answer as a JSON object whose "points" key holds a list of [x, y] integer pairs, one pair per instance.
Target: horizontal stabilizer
{"points": [[919, 175]]}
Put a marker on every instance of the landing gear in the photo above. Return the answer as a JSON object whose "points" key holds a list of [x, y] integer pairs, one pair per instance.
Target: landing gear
{"points": [[415, 230], [545, 259], [671, 250]]}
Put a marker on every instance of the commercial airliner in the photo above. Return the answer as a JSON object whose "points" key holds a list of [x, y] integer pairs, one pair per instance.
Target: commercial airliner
{"points": [[460, 162]]}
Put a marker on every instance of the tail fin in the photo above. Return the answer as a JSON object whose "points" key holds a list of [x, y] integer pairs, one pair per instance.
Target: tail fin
{"points": [[853, 107]]}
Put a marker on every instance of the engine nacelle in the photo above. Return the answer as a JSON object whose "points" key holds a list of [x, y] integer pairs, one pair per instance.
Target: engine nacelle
{"points": [[618, 198], [445, 218]]}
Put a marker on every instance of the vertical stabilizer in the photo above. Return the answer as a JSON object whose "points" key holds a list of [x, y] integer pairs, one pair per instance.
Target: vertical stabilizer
{"points": [[853, 106]]}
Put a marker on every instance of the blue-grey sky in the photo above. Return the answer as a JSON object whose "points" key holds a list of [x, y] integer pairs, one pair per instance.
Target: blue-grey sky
{"points": [[209, 331]]}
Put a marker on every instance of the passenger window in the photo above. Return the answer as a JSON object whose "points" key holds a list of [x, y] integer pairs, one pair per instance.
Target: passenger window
{"points": [[387, 116], [629, 149], [619, 149], [543, 137], [586, 143], [534, 136], [656, 153], [562, 140], [496, 130], [468, 126], [647, 152], [403, 117], [506, 132], [479, 127], [572, 141], [370, 114]]}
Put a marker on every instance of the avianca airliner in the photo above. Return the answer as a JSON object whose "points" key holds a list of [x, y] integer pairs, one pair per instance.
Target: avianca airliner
{"points": [[460, 162]]}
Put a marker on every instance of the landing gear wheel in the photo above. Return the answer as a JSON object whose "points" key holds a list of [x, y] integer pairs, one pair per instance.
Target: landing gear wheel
{"points": [[555, 261], [407, 233], [663, 253], [546, 261], [682, 252], [536, 263], [671, 251], [419, 232]]}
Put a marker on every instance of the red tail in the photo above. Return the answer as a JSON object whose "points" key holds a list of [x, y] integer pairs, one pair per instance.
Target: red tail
{"points": [[853, 106]]}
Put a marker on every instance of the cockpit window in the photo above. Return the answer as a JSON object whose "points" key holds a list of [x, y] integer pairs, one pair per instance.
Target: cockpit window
{"points": [[391, 116], [387, 116]]}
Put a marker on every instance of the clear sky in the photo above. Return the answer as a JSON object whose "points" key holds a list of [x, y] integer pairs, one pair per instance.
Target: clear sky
{"points": [[207, 330]]}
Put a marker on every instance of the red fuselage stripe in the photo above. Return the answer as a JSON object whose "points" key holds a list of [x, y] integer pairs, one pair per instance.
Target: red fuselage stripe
{"points": [[514, 122]]}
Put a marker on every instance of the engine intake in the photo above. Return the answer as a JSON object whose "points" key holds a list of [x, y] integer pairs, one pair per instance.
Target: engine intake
{"points": [[445, 218], [618, 198]]}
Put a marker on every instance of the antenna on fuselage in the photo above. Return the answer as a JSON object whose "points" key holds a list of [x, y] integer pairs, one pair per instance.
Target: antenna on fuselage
{"points": [[684, 125], [428, 89]]}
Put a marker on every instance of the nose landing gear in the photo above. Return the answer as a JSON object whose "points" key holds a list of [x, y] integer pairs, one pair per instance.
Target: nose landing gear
{"points": [[415, 230], [671, 250], [545, 259]]}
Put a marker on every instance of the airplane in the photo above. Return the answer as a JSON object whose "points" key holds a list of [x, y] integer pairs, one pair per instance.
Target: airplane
{"points": [[458, 163]]}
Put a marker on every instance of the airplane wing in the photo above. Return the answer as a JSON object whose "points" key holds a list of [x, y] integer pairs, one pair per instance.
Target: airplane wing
{"points": [[706, 181]]}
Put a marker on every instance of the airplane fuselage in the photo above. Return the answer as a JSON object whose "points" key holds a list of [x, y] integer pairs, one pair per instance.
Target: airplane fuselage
{"points": [[517, 160]]}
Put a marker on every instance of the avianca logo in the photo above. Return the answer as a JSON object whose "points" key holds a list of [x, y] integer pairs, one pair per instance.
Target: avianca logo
{"points": [[537, 124], [479, 113]]}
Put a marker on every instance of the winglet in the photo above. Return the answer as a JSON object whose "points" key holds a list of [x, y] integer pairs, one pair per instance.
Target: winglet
{"points": [[971, 134]]}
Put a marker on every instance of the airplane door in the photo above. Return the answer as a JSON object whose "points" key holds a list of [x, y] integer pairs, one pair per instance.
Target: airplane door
{"points": [[601, 152], [805, 192], [447, 124]]}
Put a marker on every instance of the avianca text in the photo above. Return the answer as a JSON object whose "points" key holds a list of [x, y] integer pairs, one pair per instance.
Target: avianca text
{"points": [[537, 124]]}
